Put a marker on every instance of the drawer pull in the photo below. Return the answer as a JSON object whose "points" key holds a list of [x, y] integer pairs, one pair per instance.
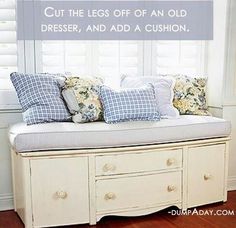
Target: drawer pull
{"points": [[109, 167], [110, 196], [207, 176], [170, 161], [61, 195], [171, 188]]}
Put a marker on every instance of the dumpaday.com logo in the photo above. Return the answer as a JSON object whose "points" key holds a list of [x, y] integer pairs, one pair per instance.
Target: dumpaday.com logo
{"points": [[202, 212]]}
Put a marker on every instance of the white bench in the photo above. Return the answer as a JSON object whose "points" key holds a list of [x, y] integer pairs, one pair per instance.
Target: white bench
{"points": [[66, 173]]}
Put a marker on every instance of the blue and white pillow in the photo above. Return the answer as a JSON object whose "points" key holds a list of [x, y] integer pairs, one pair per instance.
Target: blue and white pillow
{"points": [[40, 98], [129, 105], [164, 91]]}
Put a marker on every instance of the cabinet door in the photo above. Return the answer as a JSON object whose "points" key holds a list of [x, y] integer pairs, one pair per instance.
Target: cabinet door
{"points": [[59, 191], [205, 174]]}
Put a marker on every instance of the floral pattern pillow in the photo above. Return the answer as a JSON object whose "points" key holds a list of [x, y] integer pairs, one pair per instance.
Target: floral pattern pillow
{"points": [[82, 97], [190, 96]]}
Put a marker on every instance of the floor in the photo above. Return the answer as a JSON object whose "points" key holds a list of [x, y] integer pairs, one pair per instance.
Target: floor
{"points": [[162, 219]]}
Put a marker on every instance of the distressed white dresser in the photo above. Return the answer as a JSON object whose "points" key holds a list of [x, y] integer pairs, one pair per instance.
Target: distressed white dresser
{"points": [[63, 187]]}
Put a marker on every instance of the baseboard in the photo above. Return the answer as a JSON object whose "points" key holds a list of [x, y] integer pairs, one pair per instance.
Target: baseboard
{"points": [[232, 183], [6, 202]]}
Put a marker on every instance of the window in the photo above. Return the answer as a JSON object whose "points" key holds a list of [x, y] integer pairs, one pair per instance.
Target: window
{"points": [[109, 59], [62, 56], [178, 57], [8, 44], [8, 53], [114, 58]]}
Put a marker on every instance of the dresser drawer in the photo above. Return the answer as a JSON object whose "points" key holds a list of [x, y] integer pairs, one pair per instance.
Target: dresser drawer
{"points": [[138, 162], [138, 191]]}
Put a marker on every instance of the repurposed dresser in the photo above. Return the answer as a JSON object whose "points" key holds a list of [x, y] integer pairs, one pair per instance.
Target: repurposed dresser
{"points": [[75, 186]]}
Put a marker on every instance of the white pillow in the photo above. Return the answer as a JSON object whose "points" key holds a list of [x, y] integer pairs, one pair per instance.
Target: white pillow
{"points": [[164, 92]]}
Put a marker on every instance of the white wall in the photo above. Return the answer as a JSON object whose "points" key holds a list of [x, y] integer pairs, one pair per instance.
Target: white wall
{"points": [[222, 73], [216, 55], [229, 89], [6, 197], [229, 113]]}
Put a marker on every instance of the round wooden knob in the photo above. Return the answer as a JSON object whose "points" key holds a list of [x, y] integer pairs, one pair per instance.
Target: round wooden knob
{"points": [[110, 196], [170, 161], [61, 194], [207, 176], [108, 167], [171, 188]]}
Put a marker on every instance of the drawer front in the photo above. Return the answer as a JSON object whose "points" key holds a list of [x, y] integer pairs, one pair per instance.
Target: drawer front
{"points": [[138, 162], [205, 174], [138, 191], [60, 191]]}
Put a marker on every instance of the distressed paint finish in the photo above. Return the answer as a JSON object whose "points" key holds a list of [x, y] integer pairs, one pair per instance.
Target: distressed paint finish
{"points": [[115, 188]]}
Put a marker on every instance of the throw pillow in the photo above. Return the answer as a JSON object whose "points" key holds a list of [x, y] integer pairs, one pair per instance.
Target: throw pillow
{"points": [[129, 104], [82, 97], [163, 87], [40, 98], [190, 95]]}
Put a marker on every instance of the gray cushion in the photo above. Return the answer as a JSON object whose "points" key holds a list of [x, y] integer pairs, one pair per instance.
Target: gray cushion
{"points": [[40, 98], [64, 136]]}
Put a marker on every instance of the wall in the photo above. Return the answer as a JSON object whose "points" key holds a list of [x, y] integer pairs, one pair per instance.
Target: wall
{"points": [[216, 55], [229, 113], [222, 74], [229, 96], [6, 118]]}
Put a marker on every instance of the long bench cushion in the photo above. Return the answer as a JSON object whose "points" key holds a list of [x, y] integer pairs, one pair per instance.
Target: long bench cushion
{"points": [[64, 136]]}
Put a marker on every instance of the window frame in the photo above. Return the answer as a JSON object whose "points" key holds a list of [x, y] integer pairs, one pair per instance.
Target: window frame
{"points": [[28, 60]]}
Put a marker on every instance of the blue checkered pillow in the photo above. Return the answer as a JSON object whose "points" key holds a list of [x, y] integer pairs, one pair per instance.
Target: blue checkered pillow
{"points": [[40, 98], [129, 104]]}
